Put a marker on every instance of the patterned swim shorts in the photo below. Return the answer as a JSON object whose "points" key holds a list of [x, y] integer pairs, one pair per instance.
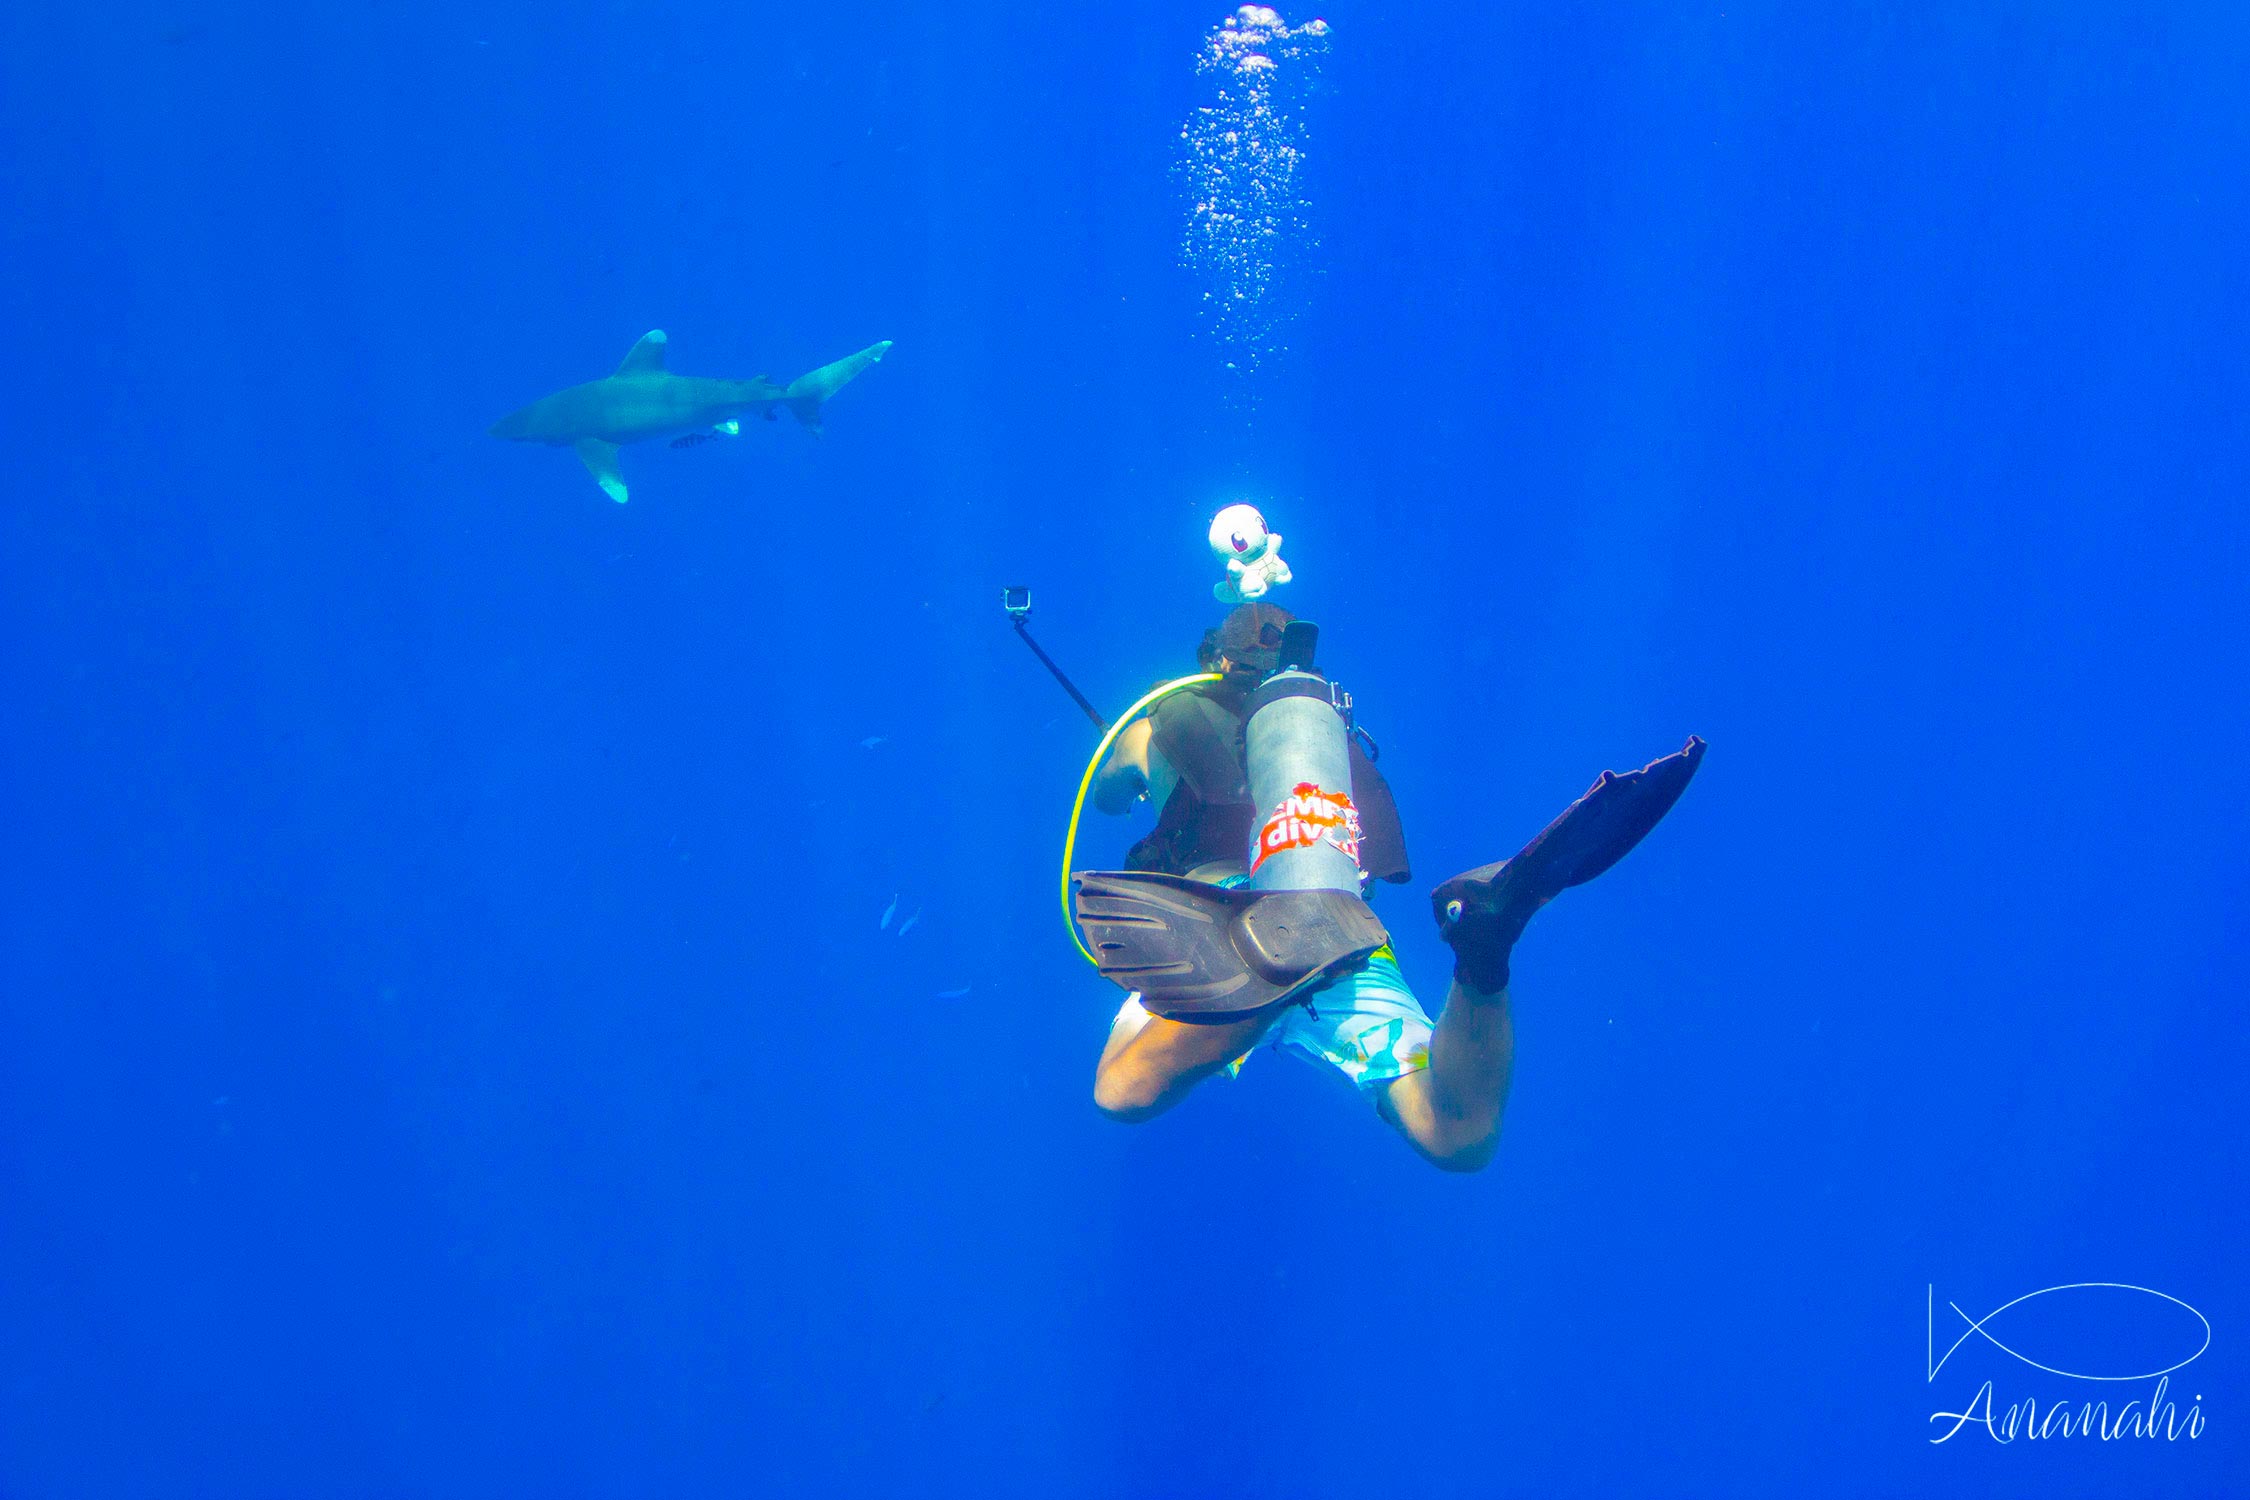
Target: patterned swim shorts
{"points": [[1367, 1026]]}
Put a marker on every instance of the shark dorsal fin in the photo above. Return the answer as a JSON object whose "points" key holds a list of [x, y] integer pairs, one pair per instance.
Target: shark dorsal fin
{"points": [[645, 357]]}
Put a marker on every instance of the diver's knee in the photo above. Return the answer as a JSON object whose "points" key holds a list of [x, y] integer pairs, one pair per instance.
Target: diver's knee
{"points": [[1125, 1100], [1458, 1145], [1472, 1155]]}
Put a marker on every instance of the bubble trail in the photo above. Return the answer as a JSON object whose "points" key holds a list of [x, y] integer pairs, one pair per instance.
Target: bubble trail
{"points": [[1249, 228]]}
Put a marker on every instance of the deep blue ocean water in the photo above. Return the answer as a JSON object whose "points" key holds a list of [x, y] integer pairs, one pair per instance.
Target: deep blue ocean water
{"points": [[452, 1045]]}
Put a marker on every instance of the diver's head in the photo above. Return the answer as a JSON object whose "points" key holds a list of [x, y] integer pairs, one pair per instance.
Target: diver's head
{"points": [[1248, 644]]}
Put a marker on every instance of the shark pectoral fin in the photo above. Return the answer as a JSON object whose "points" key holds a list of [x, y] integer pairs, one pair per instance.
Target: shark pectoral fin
{"points": [[600, 459], [647, 356]]}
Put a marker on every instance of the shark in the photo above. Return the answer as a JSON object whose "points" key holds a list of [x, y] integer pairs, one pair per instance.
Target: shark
{"points": [[641, 399]]}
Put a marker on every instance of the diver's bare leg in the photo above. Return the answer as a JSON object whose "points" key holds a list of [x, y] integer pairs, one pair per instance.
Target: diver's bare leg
{"points": [[1150, 1066], [1450, 1110]]}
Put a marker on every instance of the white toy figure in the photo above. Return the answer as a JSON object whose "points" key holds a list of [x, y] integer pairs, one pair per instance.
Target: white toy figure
{"points": [[1252, 554]]}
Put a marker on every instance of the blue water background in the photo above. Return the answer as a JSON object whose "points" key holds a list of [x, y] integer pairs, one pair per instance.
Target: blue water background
{"points": [[450, 1046]]}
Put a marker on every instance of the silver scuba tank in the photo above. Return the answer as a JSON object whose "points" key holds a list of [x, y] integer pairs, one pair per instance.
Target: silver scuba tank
{"points": [[1299, 754]]}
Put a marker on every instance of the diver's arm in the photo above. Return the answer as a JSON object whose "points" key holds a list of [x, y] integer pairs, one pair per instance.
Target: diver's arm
{"points": [[1135, 769]]}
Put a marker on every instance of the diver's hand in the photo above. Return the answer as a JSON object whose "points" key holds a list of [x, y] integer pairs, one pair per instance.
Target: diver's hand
{"points": [[1118, 787]]}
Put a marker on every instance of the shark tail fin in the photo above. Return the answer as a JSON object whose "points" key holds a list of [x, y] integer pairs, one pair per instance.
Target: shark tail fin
{"points": [[807, 392]]}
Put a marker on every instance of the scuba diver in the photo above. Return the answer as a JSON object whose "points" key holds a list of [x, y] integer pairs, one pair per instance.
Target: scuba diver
{"points": [[1239, 918]]}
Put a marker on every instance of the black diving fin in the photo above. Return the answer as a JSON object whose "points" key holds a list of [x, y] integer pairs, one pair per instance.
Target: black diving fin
{"points": [[1200, 952], [1482, 912]]}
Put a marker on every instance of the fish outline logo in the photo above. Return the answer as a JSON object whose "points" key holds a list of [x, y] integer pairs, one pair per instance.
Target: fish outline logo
{"points": [[1980, 1327]]}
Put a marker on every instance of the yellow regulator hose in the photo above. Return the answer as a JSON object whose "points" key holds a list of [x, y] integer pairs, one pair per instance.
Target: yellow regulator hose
{"points": [[1085, 784]]}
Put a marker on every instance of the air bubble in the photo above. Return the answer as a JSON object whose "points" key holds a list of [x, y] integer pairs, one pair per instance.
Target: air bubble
{"points": [[1249, 230]]}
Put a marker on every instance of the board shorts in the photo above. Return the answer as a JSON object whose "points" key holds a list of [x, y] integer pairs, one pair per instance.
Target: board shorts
{"points": [[1366, 1025]]}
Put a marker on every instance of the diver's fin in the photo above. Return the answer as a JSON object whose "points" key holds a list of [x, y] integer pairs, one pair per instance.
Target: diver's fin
{"points": [[600, 459], [645, 357], [1483, 911], [1199, 952], [807, 392]]}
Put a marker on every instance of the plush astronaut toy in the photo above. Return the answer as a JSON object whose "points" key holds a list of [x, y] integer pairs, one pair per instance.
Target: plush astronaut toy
{"points": [[1252, 555]]}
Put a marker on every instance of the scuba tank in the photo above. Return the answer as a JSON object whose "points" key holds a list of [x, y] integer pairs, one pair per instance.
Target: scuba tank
{"points": [[1299, 755]]}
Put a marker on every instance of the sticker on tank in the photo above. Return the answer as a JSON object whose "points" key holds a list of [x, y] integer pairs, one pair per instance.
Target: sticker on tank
{"points": [[1308, 816]]}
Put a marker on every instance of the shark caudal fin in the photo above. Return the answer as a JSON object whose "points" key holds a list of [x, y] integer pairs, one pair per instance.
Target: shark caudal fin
{"points": [[807, 392], [600, 459]]}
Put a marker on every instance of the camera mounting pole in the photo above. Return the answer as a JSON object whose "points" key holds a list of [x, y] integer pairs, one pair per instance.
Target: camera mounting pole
{"points": [[1016, 600]]}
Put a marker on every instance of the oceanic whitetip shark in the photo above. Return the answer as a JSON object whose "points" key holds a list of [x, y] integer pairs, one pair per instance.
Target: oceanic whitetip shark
{"points": [[643, 400]]}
